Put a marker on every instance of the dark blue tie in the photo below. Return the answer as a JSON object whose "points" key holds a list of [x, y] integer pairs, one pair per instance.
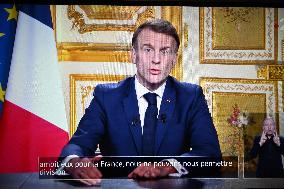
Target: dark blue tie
{"points": [[149, 128]]}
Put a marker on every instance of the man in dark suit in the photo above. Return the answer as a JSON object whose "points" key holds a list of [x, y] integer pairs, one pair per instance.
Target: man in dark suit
{"points": [[150, 114], [269, 148]]}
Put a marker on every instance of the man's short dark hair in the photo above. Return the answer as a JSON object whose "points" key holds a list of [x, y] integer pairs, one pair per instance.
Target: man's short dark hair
{"points": [[159, 26]]}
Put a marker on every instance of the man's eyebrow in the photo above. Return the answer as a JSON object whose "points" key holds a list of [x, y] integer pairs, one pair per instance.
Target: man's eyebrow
{"points": [[147, 45], [164, 48]]}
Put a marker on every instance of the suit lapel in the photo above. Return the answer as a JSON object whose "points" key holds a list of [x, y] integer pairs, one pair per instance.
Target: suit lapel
{"points": [[165, 113], [131, 110]]}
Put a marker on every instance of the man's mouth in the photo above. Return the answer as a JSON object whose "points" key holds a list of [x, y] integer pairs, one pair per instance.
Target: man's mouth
{"points": [[155, 71]]}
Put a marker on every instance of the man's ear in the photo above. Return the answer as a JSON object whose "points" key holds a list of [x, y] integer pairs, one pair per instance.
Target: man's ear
{"points": [[133, 55]]}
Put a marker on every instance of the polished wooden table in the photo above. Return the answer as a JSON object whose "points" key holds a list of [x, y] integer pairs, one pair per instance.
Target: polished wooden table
{"points": [[31, 180]]}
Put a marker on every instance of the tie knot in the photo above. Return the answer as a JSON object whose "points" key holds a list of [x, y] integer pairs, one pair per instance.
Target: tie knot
{"points": [[151, 98]]}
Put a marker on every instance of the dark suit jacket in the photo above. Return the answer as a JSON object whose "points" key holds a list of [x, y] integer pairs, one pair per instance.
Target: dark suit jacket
{"points": [[269, 160], [112, 121]]}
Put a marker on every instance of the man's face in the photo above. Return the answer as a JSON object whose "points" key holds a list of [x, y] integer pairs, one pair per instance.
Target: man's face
{"points": [[268, 126], [154, 56]]}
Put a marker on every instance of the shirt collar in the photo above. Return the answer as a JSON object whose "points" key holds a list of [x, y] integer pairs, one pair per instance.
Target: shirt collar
{"points": [[141, 90]]}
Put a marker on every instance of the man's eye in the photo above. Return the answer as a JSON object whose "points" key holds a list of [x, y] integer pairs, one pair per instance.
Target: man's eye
{"points": [[147, 50], [165, 51]]}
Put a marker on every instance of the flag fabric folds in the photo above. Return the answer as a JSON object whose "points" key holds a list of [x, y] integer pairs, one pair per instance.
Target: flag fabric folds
{"points": [[34, 121]]}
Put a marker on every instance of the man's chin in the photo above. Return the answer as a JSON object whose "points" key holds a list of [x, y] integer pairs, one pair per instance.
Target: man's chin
{"points": [[156, 81]]}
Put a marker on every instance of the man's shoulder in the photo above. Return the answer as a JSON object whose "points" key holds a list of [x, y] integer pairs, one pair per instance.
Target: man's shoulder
{"points": [[184, 86], [113, 87]]}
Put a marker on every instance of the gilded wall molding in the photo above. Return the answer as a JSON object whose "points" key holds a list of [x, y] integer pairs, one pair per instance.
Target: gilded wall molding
{"points": [[107, 12], [262, 72], [93, 52], [84, 92], [271, 72], [241, 86], [276, 72], [185, 35], [282, 49], [227, 55]]}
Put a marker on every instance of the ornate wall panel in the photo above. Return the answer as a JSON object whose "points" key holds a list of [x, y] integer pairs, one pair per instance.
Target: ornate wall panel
{"points": [[238, 108], [81, 94], [238, 35], [102, 33], [87, 17]]}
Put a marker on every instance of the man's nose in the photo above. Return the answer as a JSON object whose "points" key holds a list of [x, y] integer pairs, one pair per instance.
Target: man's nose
{"points": [[156, 57]]}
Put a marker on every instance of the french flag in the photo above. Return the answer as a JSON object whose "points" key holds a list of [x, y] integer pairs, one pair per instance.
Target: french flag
{"points": [[34, 121]]}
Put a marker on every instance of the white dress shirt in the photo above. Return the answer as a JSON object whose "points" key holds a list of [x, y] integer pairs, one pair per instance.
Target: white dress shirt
{"points": [[142, 102]]}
